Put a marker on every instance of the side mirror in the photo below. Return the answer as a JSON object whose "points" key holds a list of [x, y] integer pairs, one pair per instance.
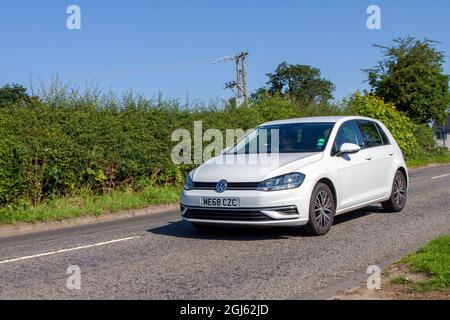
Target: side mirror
{"points": [[348, 148]]}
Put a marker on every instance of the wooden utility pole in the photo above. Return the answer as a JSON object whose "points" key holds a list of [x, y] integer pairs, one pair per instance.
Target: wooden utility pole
{"points": [[238, 78], [244, 75], [239, 87]]}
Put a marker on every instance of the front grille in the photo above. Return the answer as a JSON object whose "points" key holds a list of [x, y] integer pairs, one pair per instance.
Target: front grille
{"points": [[231, 185], [227, 215]]}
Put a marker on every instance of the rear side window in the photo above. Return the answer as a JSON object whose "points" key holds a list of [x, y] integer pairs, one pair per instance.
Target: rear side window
{"points": [[383, 135], [371, 134]]}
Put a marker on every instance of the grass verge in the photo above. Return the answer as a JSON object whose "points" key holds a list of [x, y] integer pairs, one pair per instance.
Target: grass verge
{"points": [[400, 280], [59, 208], [434, 261], [423, 275], [426, 160]]}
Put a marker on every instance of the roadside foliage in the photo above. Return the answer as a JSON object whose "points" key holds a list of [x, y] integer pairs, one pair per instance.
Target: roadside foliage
{"points": [[416, 140], [70, 144], [401, 127], [61, 146]]}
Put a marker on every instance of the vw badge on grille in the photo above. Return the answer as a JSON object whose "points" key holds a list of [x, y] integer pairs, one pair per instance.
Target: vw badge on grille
{"points": [[221, 186]]}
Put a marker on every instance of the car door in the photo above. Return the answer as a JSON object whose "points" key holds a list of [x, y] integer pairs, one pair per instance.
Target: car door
{"points": [[354, 170], [378, 154], [388, 153]]}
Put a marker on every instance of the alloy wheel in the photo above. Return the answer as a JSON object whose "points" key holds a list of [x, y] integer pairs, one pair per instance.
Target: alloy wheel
{"points": [[399, 190], [323, 209]]}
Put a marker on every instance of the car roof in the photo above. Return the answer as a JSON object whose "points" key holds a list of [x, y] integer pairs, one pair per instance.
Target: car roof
{"points": [[331, 119]]}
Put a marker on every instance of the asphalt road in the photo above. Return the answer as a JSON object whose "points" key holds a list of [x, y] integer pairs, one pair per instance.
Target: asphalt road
{"points": [[161, 257]]}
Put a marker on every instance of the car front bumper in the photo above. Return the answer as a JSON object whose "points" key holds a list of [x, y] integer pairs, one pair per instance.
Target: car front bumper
{"points": [[257, 208]]}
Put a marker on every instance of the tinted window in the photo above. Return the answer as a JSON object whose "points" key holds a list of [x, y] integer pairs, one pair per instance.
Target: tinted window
{"points": [[371, 135], [292, 138], [383, 135], [348, 133]]}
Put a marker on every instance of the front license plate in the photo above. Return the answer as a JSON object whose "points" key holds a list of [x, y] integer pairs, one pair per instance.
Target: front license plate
{"points": [[220, 202]]}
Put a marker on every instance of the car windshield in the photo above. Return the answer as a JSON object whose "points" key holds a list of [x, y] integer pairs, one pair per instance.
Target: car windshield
{"points": [[285, 138]]}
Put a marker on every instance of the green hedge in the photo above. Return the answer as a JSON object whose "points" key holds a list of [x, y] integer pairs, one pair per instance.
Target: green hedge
{"points": [[58, 149]]}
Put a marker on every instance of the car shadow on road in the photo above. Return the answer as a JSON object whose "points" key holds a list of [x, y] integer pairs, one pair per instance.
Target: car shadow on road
{"points": [[183, 229], [357, 214]]}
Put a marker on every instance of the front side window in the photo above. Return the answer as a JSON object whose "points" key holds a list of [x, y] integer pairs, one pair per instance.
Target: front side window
{"points": [[285, 138], [371, 134], [348, 133]]}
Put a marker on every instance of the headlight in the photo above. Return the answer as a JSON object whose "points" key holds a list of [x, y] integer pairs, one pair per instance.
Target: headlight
{"points": [[287, 181], [189, 184]]}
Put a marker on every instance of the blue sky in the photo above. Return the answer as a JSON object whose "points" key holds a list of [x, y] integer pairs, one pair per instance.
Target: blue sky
{"points": [[168, 45]]}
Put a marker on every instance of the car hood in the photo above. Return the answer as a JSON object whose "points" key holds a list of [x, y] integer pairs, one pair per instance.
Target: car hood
{"points": [[253, 167]]}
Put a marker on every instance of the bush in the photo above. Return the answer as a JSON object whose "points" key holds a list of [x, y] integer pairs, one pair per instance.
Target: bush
{"points": [[60, 145], [401, 127], [427, 144], [13, 179], [13, 94], [416, 140]]}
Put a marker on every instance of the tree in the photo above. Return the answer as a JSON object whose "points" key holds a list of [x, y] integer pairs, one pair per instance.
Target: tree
{"points": [[410, 75], [300, 83], [12, 94]]}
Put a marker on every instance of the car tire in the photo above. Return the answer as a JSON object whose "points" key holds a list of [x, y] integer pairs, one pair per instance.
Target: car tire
{"points": [[397, 201], [322, 209]]}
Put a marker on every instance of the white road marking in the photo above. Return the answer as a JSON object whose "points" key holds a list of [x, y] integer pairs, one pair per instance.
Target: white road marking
{"points": [[443, 176], [68, 250]]}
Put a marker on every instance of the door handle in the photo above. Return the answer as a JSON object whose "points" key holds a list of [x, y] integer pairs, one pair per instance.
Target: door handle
{"points": [[390, 154], [368, 158]]}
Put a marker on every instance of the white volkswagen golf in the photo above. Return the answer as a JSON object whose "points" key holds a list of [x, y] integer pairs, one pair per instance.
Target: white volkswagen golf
{"points": [[299, 172]]}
